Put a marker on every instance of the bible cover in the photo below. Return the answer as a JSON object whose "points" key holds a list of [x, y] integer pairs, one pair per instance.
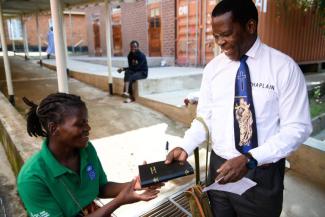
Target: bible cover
{"points": [[160, 172]]}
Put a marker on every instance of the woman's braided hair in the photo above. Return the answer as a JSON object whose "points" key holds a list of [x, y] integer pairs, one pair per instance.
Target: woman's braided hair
{"points": [[51, 109]]}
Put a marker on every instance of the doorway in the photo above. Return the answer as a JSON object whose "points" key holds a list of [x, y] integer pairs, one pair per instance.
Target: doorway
{"points": [[154, 30]]}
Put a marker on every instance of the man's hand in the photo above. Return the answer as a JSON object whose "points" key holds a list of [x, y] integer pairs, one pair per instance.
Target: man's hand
{"points": [[178, 154], [120, 70], [232, 170]]}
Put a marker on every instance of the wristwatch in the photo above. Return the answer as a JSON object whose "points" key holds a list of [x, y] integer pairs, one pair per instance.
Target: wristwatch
{"points": [[251, 162]]}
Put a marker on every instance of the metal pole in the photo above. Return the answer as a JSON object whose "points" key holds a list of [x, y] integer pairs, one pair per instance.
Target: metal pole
{"points": [[26, 50], [13, 38], [6, 61], [65, 42], [204, 14], [60, 57], [39, 40], [71, 32], [64, 37], [187, 42], [196, 30], [216, 49], [108, 46]]}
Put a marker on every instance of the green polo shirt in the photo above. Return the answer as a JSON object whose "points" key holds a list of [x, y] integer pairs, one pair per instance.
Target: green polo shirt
{"points": [[45, 186]]}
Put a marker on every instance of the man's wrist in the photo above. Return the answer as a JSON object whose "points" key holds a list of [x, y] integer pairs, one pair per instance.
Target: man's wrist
{"points": [[251, 161]]}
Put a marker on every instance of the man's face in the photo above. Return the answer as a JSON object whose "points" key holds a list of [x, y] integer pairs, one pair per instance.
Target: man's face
{"points": [[133, 47], [233, 39]]}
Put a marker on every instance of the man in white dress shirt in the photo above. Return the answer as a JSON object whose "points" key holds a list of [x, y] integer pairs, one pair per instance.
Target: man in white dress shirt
{"points": [[281, 114]]}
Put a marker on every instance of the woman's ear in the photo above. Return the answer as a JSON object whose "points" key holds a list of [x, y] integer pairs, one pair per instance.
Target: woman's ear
{"points": [[53, 128]]}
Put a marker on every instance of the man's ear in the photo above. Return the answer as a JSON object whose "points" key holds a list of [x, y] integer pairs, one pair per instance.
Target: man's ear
{"points": [[251, 26], [53, 128]]}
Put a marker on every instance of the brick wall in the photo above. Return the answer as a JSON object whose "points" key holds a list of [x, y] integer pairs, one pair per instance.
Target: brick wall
{"points": [[134, 25], [168, 27], [92, 11], [78, 27]]}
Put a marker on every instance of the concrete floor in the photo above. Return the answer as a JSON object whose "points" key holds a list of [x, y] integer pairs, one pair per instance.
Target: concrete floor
{"points": [[126, 134]]}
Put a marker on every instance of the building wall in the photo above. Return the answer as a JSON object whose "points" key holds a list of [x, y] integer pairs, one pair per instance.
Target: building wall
{"points": [[290, 30], [78, 30], [293, 31], [168, 27], [92, 12], [134, 25]]}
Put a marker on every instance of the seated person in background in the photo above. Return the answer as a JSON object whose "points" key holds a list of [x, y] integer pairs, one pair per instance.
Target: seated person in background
{"points": [[65, 176], [138, 69]]}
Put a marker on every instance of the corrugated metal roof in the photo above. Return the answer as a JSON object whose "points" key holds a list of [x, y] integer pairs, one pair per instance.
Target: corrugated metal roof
{"points": [[12, 7]]}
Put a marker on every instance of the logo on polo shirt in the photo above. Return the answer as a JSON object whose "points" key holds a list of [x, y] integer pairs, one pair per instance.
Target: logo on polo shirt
{"points": [[91, 172], [40, 214]]}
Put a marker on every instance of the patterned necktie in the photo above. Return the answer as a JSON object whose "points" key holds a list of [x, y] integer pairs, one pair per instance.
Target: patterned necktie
{"points": [[244, 113]]}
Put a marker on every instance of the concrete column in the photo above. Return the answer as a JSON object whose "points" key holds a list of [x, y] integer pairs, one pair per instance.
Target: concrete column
{"points": [[204, 21], [65, 38], [196, 31], [39, 40], [13, 38], [71, 32], [108, 44], [25, 38], [60, 58], [319, 67], [187, 31], [6, 61]]}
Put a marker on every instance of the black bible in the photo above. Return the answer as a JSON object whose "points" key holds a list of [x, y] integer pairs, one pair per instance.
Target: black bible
{"points": [[153, 173]]}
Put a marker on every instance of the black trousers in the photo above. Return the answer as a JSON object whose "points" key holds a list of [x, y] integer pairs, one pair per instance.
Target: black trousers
{"points": [[263, 200], [131, 76]]}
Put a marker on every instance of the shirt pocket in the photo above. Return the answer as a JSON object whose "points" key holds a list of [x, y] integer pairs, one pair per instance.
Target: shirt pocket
{"points": [[265, 104]]}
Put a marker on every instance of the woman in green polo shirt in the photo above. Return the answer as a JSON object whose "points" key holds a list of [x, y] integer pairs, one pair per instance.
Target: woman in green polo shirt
{"points": [[65, 176]]}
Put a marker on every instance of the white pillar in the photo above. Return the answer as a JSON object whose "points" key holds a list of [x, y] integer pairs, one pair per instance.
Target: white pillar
{"points": [[39, 40], [13, 38], [61, 67], [65, 38], [71, 32], [6, 60], [108, 46], [196, 31], [25, 38]]}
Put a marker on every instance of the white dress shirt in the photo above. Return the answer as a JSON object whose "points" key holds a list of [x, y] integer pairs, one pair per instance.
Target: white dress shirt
{"points": [[280, 101]]}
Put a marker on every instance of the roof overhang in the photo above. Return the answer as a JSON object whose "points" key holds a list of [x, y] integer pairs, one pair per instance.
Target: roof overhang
{"points": [[18, 7]]}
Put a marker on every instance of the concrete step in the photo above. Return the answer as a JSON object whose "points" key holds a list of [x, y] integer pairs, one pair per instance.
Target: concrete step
{"points": [[123, 62], [169, 84], [175, 98]]}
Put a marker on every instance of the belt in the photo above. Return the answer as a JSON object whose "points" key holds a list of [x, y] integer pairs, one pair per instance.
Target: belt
{"points": [[265, 165]]}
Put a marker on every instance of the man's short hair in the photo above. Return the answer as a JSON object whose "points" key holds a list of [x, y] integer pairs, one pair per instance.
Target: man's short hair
{"points": [[134, 42], [242, 10]]}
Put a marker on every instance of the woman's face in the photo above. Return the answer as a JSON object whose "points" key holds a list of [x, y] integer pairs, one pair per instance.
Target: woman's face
{"points": [[74, 130]]}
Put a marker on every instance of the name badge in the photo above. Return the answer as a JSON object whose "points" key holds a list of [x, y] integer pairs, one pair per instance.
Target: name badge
{"points": [[91, 172]]}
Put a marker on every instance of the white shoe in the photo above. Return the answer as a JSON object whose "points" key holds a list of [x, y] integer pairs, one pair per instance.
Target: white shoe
{"points": [[126, 95], [128, 100]]}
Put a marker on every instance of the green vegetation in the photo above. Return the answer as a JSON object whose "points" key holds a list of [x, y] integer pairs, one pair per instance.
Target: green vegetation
{"points": [[317, 100], [316, 108]]}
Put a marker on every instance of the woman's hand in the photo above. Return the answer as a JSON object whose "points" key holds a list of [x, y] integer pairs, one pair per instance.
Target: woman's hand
{"points": [[138, 183], [129, 195]]}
